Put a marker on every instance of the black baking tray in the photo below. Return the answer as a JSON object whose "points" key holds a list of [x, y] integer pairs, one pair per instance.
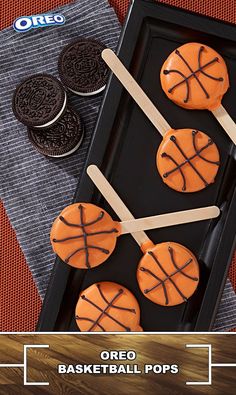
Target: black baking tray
{"points": [[124, 147]]}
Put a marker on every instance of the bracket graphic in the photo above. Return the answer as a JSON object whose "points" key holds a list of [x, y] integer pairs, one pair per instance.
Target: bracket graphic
{"points": [[210, 364], [24, 364]]}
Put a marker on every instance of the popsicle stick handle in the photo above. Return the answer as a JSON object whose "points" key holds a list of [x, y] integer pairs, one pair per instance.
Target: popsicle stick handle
{"points": [[170, 219], [114, 200], [135, 91], [226, 122]]}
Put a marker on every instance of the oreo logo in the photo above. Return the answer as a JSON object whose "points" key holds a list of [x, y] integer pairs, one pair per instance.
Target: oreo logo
{"points": [[25, 23]]}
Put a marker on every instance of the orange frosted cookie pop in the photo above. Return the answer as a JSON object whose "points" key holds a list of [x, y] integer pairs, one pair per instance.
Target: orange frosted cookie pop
{"points": [[166, 268], [168, 273], [107, 307], [85, 235], [187, 169], [187, 159], [195, 76]]}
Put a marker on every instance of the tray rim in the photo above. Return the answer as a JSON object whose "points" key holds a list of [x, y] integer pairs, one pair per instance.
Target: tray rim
{"points": [[138, 10]]}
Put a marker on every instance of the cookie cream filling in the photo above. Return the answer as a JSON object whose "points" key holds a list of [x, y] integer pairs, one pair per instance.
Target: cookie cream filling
{"points": [[88, 93], [57, 117]]}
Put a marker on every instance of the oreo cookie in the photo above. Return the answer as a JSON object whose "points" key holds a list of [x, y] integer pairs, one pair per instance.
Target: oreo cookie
{"points": [[39, 101], [61, 139], [81, 67]]}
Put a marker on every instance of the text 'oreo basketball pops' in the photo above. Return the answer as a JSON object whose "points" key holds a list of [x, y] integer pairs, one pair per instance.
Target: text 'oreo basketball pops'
{"points": [[168, 273], [85, 235], [187, 159], [107, 307], [195, 76], [39, 101], [81, 67]]}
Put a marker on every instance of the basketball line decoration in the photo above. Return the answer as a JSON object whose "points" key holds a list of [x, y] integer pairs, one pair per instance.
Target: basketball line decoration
{"points": [[107, 307], [188, 160], [161, 282], [85, 235], [195, 77], [207, 161], [110, 305], [193, 74], [158, 259]]}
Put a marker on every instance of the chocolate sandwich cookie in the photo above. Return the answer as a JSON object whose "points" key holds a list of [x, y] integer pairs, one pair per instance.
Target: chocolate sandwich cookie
{"points": [[81, 67], [39, 101], [61, 139]]}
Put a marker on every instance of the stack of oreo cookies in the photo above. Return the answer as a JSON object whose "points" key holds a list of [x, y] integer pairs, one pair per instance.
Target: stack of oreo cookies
{"points": [[40, 101]]}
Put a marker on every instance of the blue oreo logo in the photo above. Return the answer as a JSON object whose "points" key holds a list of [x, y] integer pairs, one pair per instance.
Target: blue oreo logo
{"points": [[25, 23]]}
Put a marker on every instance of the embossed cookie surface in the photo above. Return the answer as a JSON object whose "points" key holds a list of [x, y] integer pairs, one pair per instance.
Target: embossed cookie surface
{"points": [[38, 100], [62, 138], [195, 76], [107, 306], [82, 68]]}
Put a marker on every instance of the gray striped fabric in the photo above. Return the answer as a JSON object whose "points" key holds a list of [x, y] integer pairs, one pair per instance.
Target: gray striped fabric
{"points": [[226, 315], [33, 188]]}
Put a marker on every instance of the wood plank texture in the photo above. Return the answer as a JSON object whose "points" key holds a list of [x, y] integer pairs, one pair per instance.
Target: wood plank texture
{"points": [[82, 349]]}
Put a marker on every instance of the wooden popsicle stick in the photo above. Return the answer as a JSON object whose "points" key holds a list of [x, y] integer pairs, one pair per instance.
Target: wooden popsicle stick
{"points": [[170, 219], [226, 122], [135, 91], [115, 201]]}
